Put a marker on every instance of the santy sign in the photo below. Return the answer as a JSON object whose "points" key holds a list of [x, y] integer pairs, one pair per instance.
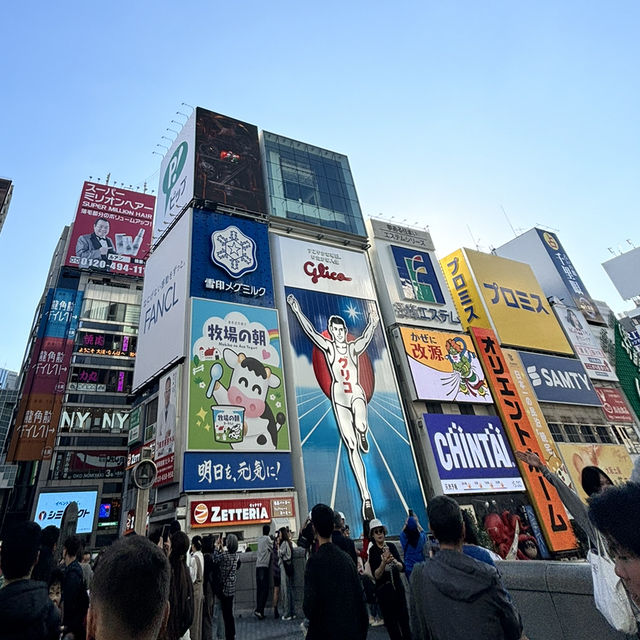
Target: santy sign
{"points": [[220, 513]]}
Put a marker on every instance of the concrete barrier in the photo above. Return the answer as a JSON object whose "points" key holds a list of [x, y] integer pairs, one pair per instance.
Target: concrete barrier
{"points": [[555, 600]]}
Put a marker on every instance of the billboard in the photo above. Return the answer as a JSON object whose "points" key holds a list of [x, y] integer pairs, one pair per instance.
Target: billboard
{"points": [[570, 278], [628, 367], [556, 379], [500, 294], [175, 191], [224, 513], [167, 423], [619, 268], [237, 471], [613, 459], [112, 230], [354, 436], [89, 464], [51, 506], [472, 454], [409, 280], [522, 437], [614, 405], [444, 366], [236, 385], [93, 418], [230, 259], [550, 453], [164, 304], [228, 167], [584, 343]]}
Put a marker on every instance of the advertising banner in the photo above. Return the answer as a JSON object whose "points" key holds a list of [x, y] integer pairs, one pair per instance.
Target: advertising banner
{"points": [[510, 300], [166, 425], [73, 465], [556, 379], [546, 502], [228, 166], [112, 230], [614, 405], [472, 454], [237, 471], [398, 234], [230, 259], [581, 298], [628, 368], [93, 418], [51, 506], [224, 513], [62, 312], [236, 386], [417, 275], [444, 366], [175, 191], [584, 343], [619, 268], [164, 304], [613, 459], [550, 453], [355, 442]]}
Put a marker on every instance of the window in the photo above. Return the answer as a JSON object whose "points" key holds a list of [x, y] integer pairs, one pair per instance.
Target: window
{"points": [[588, 433], [573, 434], [433, 407], [466, 410], [605, 435], [556, 432]]}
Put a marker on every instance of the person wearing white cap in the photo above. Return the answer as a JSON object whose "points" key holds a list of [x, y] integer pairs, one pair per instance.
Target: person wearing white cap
{"points": [[386, 566]]}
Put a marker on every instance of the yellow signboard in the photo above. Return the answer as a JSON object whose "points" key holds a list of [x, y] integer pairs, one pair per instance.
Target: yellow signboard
{"points": [[463, 289], [613, 459], [503, 294], [551, 455], [444, 366]]}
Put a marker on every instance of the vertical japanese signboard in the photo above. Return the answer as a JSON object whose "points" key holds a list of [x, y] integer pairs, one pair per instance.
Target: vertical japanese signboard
{"points": [[549, 509], [167, 423], [112, 230], [356, 448], [628, 368], [570, 277]]}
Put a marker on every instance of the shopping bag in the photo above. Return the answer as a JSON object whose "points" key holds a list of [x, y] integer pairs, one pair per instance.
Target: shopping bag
{"points": [[609, 593]]}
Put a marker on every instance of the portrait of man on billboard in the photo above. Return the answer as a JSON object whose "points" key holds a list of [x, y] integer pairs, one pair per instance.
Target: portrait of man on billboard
{"points": [[166, 423], [97, 245], [348, 398]]}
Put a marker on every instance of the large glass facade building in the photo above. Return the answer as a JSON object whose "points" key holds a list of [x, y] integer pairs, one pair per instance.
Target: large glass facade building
{"points": [[311, 185]]}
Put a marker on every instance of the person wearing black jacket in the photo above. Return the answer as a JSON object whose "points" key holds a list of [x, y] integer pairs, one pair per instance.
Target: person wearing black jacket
{"points": [[333, 601], [26, 612], [46, 561], [341, 541], [75, 600], [386, 566]]}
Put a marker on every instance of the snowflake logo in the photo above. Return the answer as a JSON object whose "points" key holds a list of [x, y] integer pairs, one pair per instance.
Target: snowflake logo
{"points": [[233, 251]]}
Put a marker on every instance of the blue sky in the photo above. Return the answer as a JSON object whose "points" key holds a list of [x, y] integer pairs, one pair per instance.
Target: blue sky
{"points": [[448, 112]]}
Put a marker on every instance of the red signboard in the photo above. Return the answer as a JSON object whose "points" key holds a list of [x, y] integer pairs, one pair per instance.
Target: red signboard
{"points": [[614, 405], [223, 513], [165, 470], [546, 502], [112, 230]]}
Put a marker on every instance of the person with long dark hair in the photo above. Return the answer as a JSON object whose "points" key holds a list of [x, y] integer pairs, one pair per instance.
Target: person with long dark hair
{"points": [[180, 589], [412, 538], [285, 554]]}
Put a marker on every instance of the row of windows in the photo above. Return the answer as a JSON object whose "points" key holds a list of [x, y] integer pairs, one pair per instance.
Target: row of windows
{"points": [[590, 433], [111, 311]]}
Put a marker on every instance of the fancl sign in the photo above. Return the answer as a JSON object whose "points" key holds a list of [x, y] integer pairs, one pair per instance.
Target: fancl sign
{"points": [[472, 454]]}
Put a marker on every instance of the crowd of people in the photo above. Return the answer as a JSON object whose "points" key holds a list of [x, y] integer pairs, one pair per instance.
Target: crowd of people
{"points": [[432, 586]]}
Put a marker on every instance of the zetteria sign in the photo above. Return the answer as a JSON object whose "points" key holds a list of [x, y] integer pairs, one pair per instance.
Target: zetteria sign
{"points": [[472, 454], [219, 513], [556, 379], [230, 259]]}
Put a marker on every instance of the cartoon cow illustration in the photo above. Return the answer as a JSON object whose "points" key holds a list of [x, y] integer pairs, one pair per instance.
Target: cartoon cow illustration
{"points": [[250, 382]]}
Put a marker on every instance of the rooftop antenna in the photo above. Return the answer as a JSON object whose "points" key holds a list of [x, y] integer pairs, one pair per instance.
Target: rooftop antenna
{"points": [[475, 244], [179, 113], [108, 178], [515, 235], [184, 104], [631, 243]]}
